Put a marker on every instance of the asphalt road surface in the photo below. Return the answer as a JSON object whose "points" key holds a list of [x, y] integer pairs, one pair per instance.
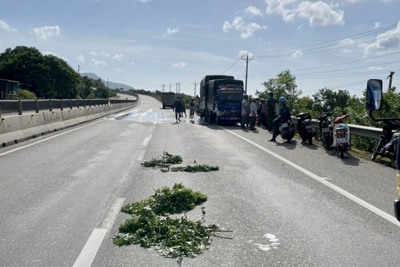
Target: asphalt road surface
{"points": [[286, 204]]}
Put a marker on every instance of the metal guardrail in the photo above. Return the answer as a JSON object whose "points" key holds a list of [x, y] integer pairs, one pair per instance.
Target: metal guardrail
{"points": [[356, 130], [21, 106]]}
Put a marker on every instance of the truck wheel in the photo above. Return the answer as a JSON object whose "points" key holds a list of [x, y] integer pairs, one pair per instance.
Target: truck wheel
{"points": [[310, 140]]}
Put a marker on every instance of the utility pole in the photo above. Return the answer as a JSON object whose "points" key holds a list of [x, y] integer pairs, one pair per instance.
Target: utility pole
{"points": [[163, 87], [247, 70], [390, 77], [194, 89]]}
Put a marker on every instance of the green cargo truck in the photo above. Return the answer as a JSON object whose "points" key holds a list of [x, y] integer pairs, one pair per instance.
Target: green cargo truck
{"points": [[168, 99]]}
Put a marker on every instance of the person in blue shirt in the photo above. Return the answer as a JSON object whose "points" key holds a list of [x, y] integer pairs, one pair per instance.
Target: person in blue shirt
{"points": [[284, 116]]}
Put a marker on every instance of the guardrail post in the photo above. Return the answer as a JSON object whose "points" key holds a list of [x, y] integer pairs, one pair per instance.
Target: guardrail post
{"points": [[36, 105], [0, 111], [19, 106], [61, 104], [70, 103], [50, 107], [84, 103]]}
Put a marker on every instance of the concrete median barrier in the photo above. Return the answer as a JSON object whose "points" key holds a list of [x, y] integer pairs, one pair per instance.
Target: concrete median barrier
{"points": [[22, 127]]}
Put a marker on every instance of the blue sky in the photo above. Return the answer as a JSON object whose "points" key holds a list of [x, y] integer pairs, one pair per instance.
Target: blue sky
{"points": [[175, 43]]}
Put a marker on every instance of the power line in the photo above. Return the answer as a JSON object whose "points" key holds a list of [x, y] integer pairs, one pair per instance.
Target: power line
{"points": [[314, 48]]}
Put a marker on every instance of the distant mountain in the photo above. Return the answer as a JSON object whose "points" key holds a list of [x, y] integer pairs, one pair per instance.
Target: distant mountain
{"points": [[112, 85]]}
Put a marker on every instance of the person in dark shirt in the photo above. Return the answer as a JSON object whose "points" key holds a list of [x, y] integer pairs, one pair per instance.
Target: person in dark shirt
{"points": [[284, 115], [178, 108], [270, 105]]}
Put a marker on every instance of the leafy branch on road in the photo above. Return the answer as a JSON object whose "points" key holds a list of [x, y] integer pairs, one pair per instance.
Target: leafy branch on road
{"points": [[194, 168], [152, 225], [165, 161]]}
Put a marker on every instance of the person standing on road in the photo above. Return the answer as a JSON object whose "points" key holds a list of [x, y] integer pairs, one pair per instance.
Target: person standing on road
{"points": [[244, 113], [178, 108], [270, 105], [262, 117], [284, 116], [258, 103], [183, 110], [253, 114], [192, 108]]}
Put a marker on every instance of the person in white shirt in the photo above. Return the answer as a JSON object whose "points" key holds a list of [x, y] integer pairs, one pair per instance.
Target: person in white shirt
{"points": [[253, 114], [244, 112]]}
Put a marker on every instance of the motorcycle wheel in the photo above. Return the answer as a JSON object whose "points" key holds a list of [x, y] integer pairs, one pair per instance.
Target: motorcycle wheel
{"points": [[341, 153], [377, 147], [310, 140], [327, 144], [393, 158]]}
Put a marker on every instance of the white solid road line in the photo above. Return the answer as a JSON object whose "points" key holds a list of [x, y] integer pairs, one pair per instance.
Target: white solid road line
{"points": [[90, 249], [112, 214], [323, 181]]}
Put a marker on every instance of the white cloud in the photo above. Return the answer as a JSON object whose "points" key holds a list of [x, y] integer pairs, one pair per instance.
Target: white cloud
{"points": [[238, 24], [354, 1], [281, 7], [104, 54], [47, 32], [179, 65], [80, 59], [388, 41], [118, 57], [170, 31], [297, 53], [5, 27], [245, 53], [375, 68], [252, 10], [97, 63], [346, 42], [320, 13], [317, 13]]}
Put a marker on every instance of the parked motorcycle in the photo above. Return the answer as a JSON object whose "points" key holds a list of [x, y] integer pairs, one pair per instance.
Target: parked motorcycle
{"points": [[326, 129], [341, 136], [304, 127], [385, 145], [286, 130]]}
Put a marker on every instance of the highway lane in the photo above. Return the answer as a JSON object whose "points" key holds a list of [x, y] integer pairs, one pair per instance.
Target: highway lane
{"points": [[55, 192], [59, 193]]}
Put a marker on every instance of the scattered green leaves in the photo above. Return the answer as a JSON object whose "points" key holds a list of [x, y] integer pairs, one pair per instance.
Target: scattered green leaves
{"points": [[194, 168], [168, 201], [164, 161], [151, 225]]}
